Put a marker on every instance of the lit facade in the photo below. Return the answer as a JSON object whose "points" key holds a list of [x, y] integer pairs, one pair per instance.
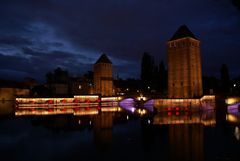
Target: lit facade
{"points": [[10, 93], [184, 65], [103, 81]]}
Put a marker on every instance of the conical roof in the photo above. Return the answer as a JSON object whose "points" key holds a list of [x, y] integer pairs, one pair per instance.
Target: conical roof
{"points": [[182, 32], [103, 59]]}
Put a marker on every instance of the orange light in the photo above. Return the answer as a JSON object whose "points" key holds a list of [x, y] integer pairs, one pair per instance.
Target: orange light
{"points": [[50, 101], [76, 109], [75, 100], [50, 110]]}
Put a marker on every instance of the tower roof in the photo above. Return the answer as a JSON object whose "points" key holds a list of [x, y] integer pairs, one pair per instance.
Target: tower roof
{"points": [[103, 59], [182, 32]]}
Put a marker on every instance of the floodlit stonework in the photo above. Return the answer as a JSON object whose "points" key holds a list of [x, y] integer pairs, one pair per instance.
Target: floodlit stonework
{"points": [[184, 65], [103, 81]]}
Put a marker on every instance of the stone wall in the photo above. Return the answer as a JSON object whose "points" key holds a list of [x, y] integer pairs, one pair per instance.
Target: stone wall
{"points": [[184, 68], [7, 94], [103, 81]]}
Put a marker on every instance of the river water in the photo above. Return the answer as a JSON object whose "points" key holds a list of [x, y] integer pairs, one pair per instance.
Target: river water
{"points": [[119, 136]]}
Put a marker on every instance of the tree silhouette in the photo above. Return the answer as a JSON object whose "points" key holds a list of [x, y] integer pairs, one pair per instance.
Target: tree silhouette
{"points": [[163, 77], [236, 3], [147, 67], [225, 81], [147, 70]]}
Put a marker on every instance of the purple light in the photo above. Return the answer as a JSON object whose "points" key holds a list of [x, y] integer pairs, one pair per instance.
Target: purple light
{"points": [[149, 105], [128, 104], [133, 109], [234, 109]]}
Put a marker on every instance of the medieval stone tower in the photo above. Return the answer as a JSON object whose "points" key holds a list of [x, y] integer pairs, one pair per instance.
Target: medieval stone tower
{"points": [[184, 65], [103, 81]]}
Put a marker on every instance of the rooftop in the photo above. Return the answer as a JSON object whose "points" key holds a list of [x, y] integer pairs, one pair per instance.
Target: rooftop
{"points": [[182, 32], [103, 59]]}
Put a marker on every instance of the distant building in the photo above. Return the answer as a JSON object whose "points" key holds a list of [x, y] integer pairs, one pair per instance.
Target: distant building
{"points": [[9, 90], [103, 81], [61, 84], [58, 82], [60, 89], [184, 65], [80, 85]]}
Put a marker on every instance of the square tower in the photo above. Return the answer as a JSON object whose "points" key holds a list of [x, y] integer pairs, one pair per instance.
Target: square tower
{"points": [[184, 65], [103, 81]]}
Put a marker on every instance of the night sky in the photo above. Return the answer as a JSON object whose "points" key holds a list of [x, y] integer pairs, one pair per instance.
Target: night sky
{"points": [[38, 36]]}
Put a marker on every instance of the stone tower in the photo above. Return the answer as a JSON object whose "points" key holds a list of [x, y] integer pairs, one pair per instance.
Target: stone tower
{"points": [[103, 81], [184, 65]]}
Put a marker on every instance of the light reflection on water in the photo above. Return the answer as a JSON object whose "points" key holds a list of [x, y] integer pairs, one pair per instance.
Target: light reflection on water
{"points": [[120, 136]]}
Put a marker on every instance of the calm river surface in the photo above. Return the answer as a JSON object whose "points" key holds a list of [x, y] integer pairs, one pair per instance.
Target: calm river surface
{"points": [[120, 136]]}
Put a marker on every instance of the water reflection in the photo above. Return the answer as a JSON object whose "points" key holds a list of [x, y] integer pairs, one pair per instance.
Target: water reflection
{"points": [[186, 142], [207, 118], [103, 125], [182, 133], [121, 135], [237, 133]]}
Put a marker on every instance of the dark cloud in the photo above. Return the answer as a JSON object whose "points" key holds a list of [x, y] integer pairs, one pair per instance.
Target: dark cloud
{"points": [[54, 55], [15, 41], [73, 34], [39, 63]]}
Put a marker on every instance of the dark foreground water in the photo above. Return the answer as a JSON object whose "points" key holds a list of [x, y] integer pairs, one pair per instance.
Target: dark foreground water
{"points": [[121, 136]]}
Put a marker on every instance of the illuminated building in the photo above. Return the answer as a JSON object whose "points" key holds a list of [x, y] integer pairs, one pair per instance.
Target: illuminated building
{"points": [[9, 90], [184, 65], [103, 81]]}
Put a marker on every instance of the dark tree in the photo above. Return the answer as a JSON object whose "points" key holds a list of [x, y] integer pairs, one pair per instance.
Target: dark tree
{"points": [[210, 85], [40, 91], [61, 76], [236, 3], [147, 70], [58, 76], [88, 77], [147, 67], [50, 77], [225, 81], [162, 77]]}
